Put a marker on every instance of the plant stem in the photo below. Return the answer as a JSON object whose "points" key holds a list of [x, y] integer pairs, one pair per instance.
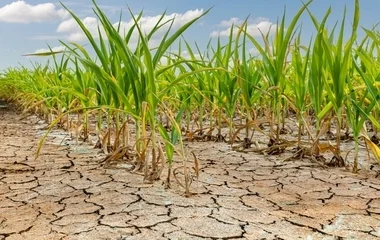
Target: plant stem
{"points": [[355, 167]]}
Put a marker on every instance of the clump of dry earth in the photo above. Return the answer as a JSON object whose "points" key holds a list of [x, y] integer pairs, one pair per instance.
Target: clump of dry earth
{"points": [[67, 194]]}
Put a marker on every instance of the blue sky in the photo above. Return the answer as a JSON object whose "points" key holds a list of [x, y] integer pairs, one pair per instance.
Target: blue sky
{"points": [[29, 26]]}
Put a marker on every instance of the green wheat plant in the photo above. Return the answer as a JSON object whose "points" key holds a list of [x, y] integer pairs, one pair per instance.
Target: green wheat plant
{"points": [[143, 93], [275, 62]]}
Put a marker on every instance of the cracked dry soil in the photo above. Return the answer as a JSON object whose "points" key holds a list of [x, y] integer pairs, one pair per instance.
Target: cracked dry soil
{"points": [[66, 194]]}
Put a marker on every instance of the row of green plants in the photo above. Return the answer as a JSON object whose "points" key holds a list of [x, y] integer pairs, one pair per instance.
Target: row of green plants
{"points": [[330, 81]]}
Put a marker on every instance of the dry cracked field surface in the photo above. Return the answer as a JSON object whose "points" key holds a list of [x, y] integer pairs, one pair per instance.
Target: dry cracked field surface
{"points": [[67, 194]]}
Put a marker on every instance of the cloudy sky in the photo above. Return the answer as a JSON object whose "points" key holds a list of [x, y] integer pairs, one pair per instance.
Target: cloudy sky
{"points": [[29, 26]]}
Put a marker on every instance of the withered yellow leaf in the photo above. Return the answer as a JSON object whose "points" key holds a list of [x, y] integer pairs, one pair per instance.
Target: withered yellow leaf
{"points": [[374, 148], [371, 145]]}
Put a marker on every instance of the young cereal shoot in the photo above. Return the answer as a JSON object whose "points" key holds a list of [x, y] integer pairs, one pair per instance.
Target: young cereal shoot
{"points": [[275, 64], [361, 104], [298, 83], [249, 76]]}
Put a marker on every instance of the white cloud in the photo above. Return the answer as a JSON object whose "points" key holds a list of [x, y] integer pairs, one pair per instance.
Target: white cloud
{"points": [[147, 23], [54, 49], [22, 12], [255, 28], [63, 13], [73, 32], [230, 22]]}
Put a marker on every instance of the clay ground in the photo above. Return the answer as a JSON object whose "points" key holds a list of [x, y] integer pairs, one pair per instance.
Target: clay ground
{"points": [[67, 194]]}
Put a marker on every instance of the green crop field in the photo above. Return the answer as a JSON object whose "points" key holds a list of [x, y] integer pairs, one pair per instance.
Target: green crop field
{"points": [[221, 93]]}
